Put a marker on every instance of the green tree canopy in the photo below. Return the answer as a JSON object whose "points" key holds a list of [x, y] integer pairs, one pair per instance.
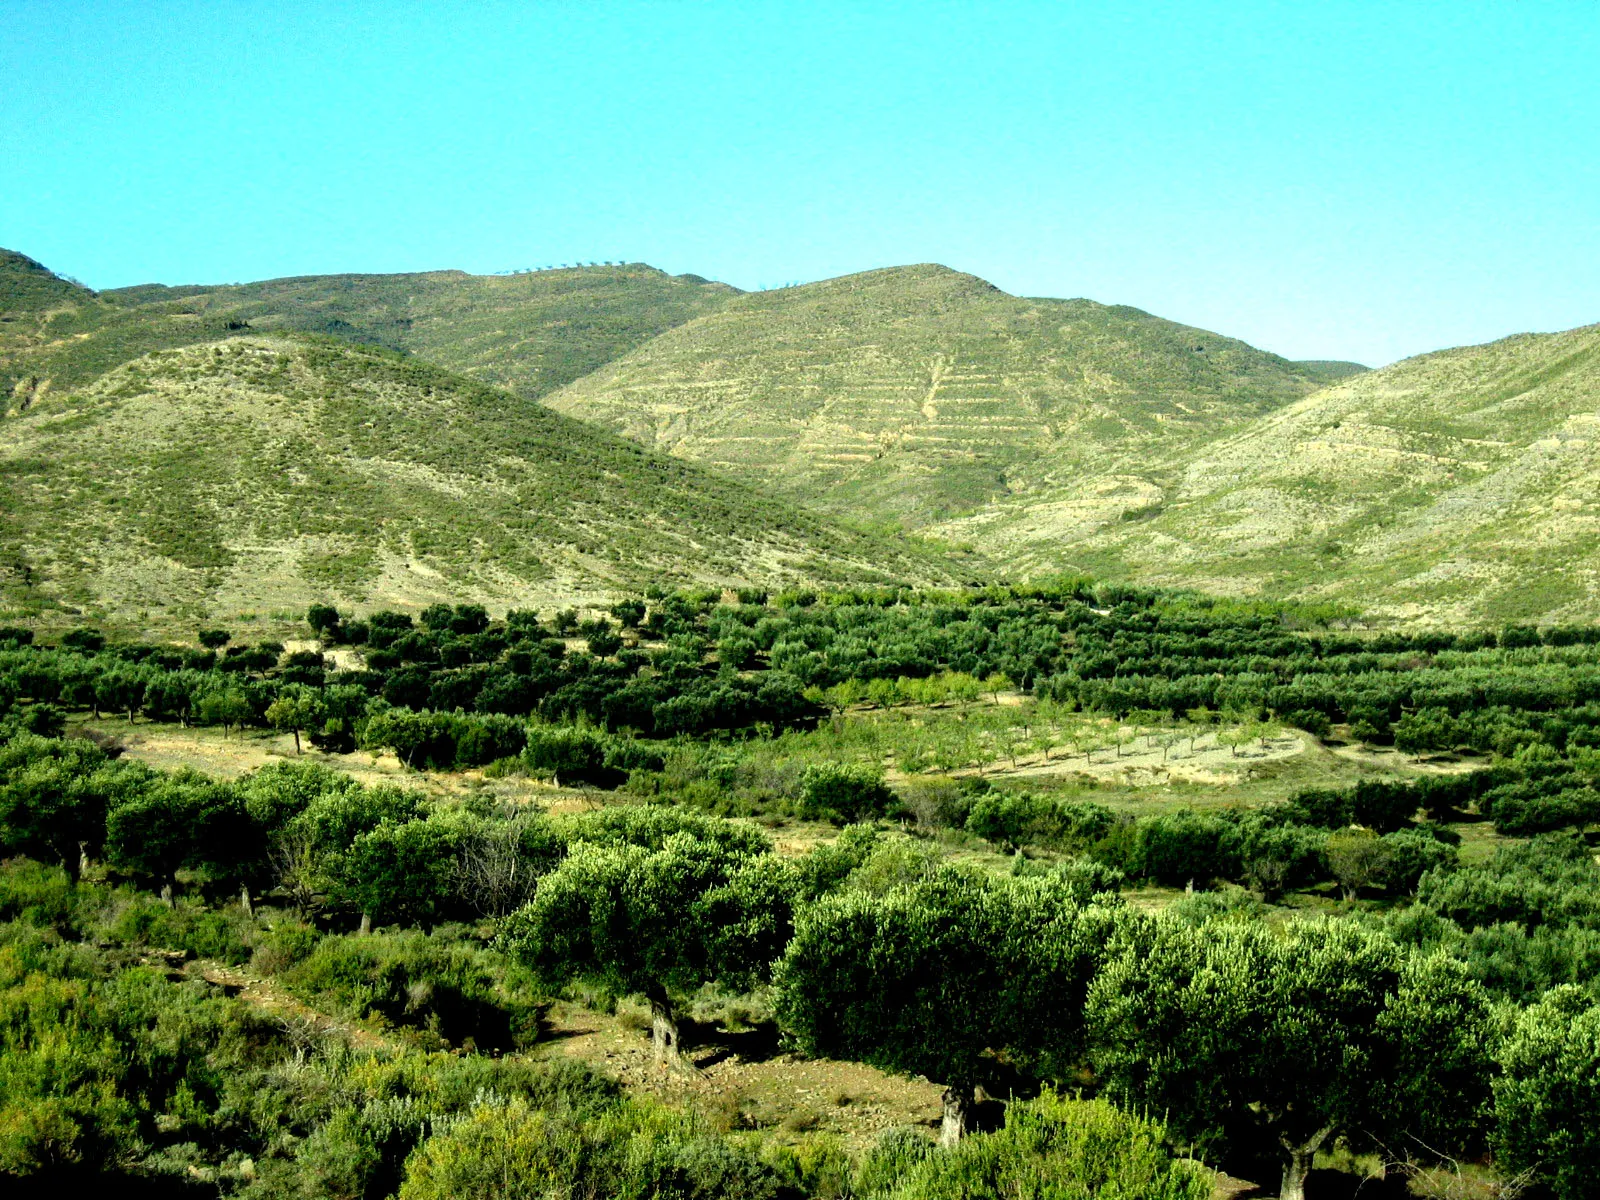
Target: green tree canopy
{"points": [[933, 977], [1250, 1038], [658, 920], [1547, 1097]]}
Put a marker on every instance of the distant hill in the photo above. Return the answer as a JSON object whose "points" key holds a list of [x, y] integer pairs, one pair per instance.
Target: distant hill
{"points": [[1030, 435], [1460, 485], [530, 332], [533, 332], [253, 473], [919, 394], [27, 286]]}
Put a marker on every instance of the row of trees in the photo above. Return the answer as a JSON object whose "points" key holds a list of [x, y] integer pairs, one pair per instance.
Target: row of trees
{"points": [[686, 663], [1244, 1037]]}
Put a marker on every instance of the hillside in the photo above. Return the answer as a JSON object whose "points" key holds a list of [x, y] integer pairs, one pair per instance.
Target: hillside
{"points": [[27, 286], [260, 472], [918, 394], [531, 332], [1460, 485]]}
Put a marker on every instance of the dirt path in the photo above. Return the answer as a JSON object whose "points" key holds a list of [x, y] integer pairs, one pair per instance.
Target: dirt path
{"points": [[270, 999], [743, 1082]]}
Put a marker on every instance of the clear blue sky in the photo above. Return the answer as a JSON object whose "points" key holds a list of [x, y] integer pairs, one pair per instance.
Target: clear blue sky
{"points": [[1329, 180]]}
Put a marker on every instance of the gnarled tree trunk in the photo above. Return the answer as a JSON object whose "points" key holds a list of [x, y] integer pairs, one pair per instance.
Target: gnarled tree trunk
{"points": [[664, 1039], [958, 1104], [1298, 1167]]}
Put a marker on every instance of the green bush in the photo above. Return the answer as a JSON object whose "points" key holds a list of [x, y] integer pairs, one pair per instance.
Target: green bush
{"points": [[506, 1148], [35, 894], [450, 991], [1052, 1147], [844, 794], [141, 920]]}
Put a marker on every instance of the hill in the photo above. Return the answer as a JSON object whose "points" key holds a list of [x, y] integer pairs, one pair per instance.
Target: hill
{"points": [[27, 286], [261, 472], [531, 332], [918, 394], [1460, 485]]}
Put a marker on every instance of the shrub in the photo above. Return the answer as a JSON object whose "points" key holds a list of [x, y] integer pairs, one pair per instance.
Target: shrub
{"points": [[844, 795], [35, 894], [1051, 1146], [141, 920]]}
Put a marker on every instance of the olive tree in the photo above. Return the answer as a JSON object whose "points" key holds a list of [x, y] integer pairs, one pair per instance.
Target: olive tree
{"points": [[933, 977], [308, 848], [658, 920], [1547, 1096], [400, 872], [1358, 859], [177, 821], [54, 796], [297, 707], [1245, 1036]]}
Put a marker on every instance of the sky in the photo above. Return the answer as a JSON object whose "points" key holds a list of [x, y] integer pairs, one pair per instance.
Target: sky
{"points": [[1331, 180]]}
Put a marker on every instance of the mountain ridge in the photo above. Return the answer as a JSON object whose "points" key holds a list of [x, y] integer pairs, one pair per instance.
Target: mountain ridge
{"points": [[920, 392], [1031, 435], [1459, 485]]}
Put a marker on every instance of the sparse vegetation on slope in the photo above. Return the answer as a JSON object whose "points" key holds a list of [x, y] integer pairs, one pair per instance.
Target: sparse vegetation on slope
{"points": [[532, 332], [269, 472], [916, 394], [1456, 486]]}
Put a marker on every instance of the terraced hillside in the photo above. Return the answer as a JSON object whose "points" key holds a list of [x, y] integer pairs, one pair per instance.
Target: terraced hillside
{"points": [[918, 394], [260, 472], [530, 332], [1461, 485]]}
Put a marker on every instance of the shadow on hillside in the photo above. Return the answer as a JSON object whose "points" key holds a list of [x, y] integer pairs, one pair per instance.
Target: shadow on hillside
{"points": [[759, 1044]]}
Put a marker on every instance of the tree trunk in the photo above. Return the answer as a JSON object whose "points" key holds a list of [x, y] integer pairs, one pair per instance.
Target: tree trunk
{"points": [[366, 923], [297, 741], [1295, 1172], [958, 1103], [664, 1034], [1298, 1167]]}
